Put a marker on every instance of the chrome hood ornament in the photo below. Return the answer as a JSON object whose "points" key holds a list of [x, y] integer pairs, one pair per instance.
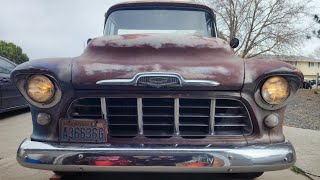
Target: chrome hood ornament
{"points": [[158, 80]]}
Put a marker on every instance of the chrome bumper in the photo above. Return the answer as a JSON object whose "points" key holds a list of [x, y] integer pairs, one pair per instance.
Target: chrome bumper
{"points": [[175, 158]]}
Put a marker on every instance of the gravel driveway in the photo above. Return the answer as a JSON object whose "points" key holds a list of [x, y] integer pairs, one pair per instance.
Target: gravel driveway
{"points": [[304, 110]]}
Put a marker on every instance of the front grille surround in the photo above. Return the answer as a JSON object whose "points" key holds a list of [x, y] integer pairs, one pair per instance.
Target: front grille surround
{"points": [[154, 117]]}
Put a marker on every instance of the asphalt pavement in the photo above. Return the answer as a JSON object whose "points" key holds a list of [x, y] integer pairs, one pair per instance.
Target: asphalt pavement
{"points": [[15, 126]]}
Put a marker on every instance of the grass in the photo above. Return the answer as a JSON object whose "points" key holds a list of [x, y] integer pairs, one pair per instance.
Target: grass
{"points": [[297, 170]]}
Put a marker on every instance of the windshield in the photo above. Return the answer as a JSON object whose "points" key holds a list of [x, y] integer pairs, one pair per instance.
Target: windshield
{"points": [[160, 21]]}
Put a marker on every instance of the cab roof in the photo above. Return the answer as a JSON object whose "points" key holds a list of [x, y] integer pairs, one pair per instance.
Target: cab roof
{"points": [[130, 4], [159, 1]]}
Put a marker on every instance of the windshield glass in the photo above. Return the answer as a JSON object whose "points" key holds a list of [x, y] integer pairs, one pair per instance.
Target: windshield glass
{"points": [[160, 21]]}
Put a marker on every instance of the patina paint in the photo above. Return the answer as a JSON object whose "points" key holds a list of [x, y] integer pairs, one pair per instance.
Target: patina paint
{"points": [[193, 57], [256, 68], [60, 70]]}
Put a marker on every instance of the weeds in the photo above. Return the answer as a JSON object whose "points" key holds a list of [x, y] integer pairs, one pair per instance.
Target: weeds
{"points": [[300, 171]]}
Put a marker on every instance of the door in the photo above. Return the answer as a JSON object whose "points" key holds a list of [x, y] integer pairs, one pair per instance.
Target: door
{"points": [[10, 96]]}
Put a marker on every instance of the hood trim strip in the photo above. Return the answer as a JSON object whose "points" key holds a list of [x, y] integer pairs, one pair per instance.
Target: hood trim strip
{"points": [[135, 80]]}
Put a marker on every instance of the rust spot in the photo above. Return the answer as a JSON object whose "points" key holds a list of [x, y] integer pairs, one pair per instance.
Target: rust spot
{"points": [[133, 36]]}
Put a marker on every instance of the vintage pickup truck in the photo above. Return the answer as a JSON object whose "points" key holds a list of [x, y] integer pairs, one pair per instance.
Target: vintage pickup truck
{"points": [[159, 92]]}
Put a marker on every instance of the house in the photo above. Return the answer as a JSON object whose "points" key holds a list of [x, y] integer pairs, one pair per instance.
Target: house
{"points": [[308, 66]]}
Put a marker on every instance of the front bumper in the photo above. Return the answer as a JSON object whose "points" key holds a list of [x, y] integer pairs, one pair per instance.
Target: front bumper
{"points": [[145, 158]]}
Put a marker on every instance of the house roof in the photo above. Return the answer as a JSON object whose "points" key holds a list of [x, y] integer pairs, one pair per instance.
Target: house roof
{"points": [[289, 58]]}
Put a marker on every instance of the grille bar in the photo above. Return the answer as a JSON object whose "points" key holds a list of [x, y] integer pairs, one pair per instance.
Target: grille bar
{"points": [[176, 116], [166, 117], [103, 108], [140, 115], [229, 116], [212, 116]]}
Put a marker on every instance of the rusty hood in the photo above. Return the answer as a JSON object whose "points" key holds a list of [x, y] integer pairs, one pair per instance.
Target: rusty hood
{"points": [[192, 57]]}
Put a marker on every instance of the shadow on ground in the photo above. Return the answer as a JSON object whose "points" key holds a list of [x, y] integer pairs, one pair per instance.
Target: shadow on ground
{"points": [[152, 176], [13, 113]]}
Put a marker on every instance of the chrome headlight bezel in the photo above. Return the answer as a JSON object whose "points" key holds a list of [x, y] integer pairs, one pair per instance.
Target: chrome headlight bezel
{"points": [[21, 83], [293, 85]]}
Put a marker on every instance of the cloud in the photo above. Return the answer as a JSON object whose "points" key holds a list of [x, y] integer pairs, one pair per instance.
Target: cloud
{"points": [[51, 28], [59, 28]]}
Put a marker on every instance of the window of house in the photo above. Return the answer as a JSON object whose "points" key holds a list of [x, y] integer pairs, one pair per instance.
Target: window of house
{"points": [[311, 64], [318, 64], [293, 63]]}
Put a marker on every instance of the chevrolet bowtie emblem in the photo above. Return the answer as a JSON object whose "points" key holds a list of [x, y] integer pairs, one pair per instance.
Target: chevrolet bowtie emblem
{"points": [[158, 81]]}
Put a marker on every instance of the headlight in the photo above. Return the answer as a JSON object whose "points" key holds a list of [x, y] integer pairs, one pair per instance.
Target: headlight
{"points": [[40, 88], [275, 90]]}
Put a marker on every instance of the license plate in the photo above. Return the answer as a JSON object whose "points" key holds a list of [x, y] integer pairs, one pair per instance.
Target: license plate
{"points": [[80, 130]]}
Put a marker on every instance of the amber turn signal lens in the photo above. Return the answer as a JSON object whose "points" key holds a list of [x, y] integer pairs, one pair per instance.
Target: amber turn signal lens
{"points": [[275, 90], [40, 88]]}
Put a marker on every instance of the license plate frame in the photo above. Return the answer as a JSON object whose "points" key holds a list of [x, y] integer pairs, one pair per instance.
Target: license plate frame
{"points": [[83, 130]]}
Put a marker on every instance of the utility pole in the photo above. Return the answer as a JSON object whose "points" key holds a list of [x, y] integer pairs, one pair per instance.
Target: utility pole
{"points": [[317, 80]]}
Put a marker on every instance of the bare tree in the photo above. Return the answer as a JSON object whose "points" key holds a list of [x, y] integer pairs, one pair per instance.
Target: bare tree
{"points": [[262, 26], [316, 53], [315, 32]]}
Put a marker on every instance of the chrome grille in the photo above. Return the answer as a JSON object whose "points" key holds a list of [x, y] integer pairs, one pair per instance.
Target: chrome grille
{"points": [[89, 108], [122, 117], [158, 117], [166, 117], [194, 117]]}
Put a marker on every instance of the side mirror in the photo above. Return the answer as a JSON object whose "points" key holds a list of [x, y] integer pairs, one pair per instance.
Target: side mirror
{"points": [[89, 40], [234, 43]]}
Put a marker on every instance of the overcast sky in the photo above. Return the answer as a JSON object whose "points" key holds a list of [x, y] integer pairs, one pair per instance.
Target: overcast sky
{"points": [[58, 28]]}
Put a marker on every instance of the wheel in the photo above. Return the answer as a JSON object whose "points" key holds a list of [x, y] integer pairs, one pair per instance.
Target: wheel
{"points": [[247, 175]]}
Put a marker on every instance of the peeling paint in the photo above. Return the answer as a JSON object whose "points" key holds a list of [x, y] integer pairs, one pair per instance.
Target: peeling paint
{"points": [[158, 41], [207, 70], [92, 69], [193, 57], [257, 67]]}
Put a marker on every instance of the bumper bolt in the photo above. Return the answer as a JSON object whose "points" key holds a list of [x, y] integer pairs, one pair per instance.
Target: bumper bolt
{"points": [[229, 170], [285, 160], [26, 157], [80, 156], [230, 157]]}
